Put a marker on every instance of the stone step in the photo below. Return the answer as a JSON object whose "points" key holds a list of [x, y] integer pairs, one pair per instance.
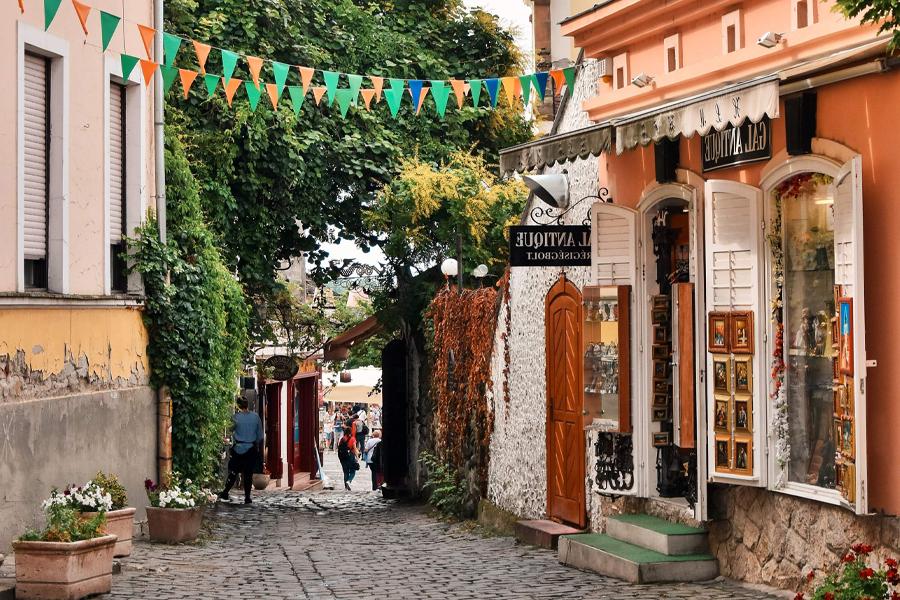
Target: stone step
{"points": [[7, 591], [542, 533], [657, 534], [608, 556]]}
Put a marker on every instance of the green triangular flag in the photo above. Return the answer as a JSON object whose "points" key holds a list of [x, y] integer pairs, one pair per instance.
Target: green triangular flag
{"points": [[569, 72], [128, 63], [394, 96], [344, 97], [108, 24], [297, 97], [229, 62], [169, 73], [526, 80], [50, 8], [475, 85], [398, 84], [331, 83], [281, 73], [440, 92], [171, 44], [355, 84], [253, 94], [212, 82]]}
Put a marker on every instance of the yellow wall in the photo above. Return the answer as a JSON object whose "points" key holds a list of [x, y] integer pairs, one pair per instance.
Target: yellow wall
{"points": [[113, 339]]}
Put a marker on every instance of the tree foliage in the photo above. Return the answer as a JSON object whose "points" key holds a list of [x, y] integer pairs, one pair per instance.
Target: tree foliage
{"points": [[885, 13]]}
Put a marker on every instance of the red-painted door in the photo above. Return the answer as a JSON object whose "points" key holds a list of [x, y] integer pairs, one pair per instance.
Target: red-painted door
{"points": [[565, 434], [273, 430]]}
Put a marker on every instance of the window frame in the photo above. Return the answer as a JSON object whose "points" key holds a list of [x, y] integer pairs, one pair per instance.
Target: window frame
{"points": [[672, 43], [620, 61], [732, 19]]}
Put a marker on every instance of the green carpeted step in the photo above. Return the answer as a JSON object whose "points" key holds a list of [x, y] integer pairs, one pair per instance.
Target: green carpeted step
{"points": [[631, 552], [658, 525]]}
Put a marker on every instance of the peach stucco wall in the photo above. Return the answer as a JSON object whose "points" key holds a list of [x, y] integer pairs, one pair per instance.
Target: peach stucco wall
{"points": [[860, 114], [85, 131]]}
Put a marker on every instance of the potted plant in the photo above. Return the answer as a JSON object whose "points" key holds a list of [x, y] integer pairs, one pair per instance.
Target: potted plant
{"points": [[261, 480], [120, 517], [70, 558], [176, 509]]}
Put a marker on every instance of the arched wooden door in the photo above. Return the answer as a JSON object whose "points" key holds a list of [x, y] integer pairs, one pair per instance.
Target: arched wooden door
{"points": [[565, 433]]}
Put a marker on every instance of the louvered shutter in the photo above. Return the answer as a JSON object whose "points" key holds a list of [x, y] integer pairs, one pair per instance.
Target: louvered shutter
{"points": [[733, 283], [36, 169], [848, 273], [116, 163], [613, 244]]}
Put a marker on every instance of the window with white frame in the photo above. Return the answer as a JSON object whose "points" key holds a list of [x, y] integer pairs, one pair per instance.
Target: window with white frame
{"points": [[803, 13], [672, 45], [36, 167], [732, 32], [620, 69], [118, 207]]}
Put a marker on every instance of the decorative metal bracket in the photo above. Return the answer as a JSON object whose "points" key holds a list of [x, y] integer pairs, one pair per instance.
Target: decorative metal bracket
{"points": [[615, 462], [552, 215]]}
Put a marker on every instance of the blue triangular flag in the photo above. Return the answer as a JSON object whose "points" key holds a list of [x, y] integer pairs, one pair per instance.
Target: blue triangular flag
{"points": [[540, 82], [415, 90], [493, 86]]}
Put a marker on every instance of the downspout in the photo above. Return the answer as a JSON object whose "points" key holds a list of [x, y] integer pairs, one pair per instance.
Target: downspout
{"points": [[164, 399]]}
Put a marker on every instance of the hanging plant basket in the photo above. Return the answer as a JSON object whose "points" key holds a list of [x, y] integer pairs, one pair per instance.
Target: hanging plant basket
{"points": [[345, 377]]}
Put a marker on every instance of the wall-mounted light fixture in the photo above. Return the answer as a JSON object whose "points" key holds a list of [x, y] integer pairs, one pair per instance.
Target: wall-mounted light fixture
{"points": [[641, 80], [770, 39], [551, 189]]}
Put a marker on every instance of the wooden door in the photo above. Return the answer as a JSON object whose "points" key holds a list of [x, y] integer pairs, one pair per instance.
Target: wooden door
{"points": [[565, 433], [273, 430]]}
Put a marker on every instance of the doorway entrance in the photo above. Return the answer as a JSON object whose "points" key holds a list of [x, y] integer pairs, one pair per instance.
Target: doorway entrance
{"points": [[273, 430], [565, 433]]}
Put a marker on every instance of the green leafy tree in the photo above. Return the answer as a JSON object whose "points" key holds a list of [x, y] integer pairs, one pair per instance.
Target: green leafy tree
{"points": [[885, 13]]}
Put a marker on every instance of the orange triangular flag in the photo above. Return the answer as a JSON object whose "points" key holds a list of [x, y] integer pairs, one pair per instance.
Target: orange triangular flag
{"points": [[377, 86], [318, 92], [518, 86], [187, 80], [147, 34], [422, 99], [559, 80], [367, 95], [272, 90], [255, 65], [459, 88], [509, 86], [202, 51], [306, 75], [82, 10], [230, 88], [148, 67]]}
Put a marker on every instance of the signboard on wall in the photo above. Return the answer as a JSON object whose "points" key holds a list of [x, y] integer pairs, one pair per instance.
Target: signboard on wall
{"points": [[550, 246], [748, 142], [281, 368]]}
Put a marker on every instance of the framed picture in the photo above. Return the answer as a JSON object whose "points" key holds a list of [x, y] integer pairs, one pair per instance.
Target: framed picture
{"points": [[845, 331], [742, 415], [838, 401], [838, 432], [835, 369], [723, 407], [662, 387], [661, 303], [659, 317], [718, 332], [741, 332], [848, 445], [743, 456], [660, 352], [660, 334], [660, 414], [743, 375], [849, 406], [660, 400], [723, 453], [835, 333], [661, 438], [660, 369], [722, 375]]}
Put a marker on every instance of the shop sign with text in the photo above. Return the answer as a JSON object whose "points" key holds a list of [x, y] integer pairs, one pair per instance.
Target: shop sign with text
{"points": [[550, 246], [748, 142]]}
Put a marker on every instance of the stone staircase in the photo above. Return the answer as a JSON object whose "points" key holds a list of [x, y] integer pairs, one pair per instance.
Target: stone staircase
{"points": [[642, 549], [542, 533]]}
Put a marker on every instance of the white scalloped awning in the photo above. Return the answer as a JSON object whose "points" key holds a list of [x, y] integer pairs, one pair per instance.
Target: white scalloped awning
{"points": [[699, 114], [552, 149]]}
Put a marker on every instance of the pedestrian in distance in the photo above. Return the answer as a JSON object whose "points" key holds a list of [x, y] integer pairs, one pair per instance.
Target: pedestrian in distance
{"points": [[328, 427], [248, 434], [337, 428], [373, 458], [347, 456], [361, 430]]}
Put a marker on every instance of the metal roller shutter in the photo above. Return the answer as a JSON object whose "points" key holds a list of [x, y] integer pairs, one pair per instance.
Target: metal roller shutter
{"points": [[116, 162], [36, 170]]}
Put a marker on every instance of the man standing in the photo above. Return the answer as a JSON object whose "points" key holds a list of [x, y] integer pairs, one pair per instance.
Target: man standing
{"points": [[248, 434], [373, 459]]}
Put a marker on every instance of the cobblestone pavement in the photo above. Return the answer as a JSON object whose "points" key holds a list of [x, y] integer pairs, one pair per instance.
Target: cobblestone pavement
{"points": [[357, 546]]}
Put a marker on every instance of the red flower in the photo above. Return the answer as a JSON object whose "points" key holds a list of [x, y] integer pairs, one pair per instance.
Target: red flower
{"points": [[866, 573], [848, 557], [799, 596], [811, 575], [829, 596], [890, 563], [892, 576], [895, 595], [861, 548]]}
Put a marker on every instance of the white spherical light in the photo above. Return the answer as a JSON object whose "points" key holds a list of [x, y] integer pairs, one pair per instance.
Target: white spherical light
{"points": [[450, 268], [480, 271]]}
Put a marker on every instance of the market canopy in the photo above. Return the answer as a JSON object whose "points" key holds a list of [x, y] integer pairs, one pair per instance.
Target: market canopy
{"points": [[552, 149], [752, 100]]}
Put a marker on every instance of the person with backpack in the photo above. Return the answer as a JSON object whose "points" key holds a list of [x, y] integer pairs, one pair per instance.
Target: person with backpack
{"points": [[347, 456], [360, 429], [373, 458]]}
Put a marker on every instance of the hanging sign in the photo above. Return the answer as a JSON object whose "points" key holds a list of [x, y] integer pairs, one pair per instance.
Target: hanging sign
{"points": [[748, 142], [550, 246], [281, 368]]}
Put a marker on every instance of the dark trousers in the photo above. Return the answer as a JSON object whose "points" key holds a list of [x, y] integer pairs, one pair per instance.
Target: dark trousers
{"points": [[377, 478], [244, 464]]}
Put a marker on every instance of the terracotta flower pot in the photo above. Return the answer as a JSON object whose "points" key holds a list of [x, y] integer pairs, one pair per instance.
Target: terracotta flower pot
{"points": [[64, 571], [261, 480], [174, 525], [120, 523]]}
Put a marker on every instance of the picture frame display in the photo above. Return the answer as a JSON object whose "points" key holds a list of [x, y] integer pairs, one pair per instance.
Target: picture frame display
{"points": [[660, 414], [722, 374], [660, 400], [845, 331], [661, 438], [660, 334], [741, 332], [722, 415], [723, 453], [719, 337], [659, 317], [660, 369], [743, 456], [743, 414], [743, 375], [660, 352]]}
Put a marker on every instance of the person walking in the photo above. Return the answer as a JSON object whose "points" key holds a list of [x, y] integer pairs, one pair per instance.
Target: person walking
{"points": [[360, 430], [337, 428], [248, 434], [373, 458], [347, 456], [328, 427]]}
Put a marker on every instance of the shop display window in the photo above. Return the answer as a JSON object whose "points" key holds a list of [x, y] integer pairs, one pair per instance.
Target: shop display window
{"points": [[607, 396]]}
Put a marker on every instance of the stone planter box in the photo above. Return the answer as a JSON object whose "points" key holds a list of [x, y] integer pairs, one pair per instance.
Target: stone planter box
{"points": [[119, 523], [261, 481], [64, 571], [174, 525]]}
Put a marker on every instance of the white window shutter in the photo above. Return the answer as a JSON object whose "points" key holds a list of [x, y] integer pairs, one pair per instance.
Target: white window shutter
{"points": [[613, 244], [733, 248], [116, 162], [848, 273], [36, 164]]}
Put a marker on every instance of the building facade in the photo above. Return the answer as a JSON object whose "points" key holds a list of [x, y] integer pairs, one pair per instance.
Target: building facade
{"points": [[76, 178], [749, 387]]}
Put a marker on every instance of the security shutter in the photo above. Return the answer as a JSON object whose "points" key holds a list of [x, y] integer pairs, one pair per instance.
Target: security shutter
{"points": [[36, 169], [116, 162], [613, 244]]}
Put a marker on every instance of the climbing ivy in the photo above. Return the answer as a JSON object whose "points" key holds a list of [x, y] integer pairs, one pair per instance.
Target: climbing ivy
{"points": [[196, 317]]}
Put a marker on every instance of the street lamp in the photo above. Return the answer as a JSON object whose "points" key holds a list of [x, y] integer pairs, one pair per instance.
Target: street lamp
{"points": [[450, 267]]}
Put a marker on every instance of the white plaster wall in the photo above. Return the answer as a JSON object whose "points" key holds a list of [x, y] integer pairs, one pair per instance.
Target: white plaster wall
{"points": [[517, 477]]}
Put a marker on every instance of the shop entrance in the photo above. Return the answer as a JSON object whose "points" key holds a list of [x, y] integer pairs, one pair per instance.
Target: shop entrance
{"points": [[273, 430], [565, 434]]}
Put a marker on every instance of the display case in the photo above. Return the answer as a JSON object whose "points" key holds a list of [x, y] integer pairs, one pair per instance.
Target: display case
{"points": [[607, 367]]}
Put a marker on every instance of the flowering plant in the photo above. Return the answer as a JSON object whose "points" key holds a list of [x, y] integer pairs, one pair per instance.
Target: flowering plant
{"points": [[177, 493], [65, 523], [89, 497], [857, 580]]}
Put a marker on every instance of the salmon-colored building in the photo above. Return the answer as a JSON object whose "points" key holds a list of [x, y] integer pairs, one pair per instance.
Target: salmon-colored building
{"points": [[748, 244]]}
